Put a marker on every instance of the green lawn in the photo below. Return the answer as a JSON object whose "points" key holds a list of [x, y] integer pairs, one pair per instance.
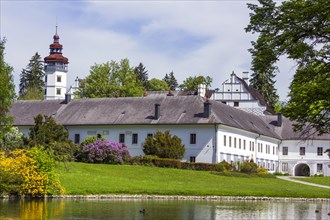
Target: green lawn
{"points": [[325, 180], [84, 179]]}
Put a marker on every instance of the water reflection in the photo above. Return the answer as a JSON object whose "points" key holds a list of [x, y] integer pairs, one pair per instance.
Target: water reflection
{"points": [[160, 209]]}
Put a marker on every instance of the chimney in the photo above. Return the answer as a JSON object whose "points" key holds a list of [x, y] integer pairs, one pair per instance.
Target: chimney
{"points": [[207, 109], [67, 98], [279, 119], [201, 90], [157, 111]]}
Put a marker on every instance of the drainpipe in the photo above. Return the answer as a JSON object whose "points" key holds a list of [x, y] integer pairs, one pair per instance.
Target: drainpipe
{"points": [[278, 155], [216, 149], [256, 148]]}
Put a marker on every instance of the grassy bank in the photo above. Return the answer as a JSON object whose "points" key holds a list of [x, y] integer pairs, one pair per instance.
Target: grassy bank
{"points": [[325, 180], [84, 179]]}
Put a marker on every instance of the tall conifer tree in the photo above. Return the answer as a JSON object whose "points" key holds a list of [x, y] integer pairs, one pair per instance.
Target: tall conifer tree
{"points": [[32, 79]]}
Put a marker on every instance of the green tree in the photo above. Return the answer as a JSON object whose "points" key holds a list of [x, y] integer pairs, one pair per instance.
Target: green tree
{"points": [[157, 85], [141, 75], [164, 145], [32, 83], [171, 80], [110, 79], [53, 137], [300, 30], [191, 83], [7, 92]]}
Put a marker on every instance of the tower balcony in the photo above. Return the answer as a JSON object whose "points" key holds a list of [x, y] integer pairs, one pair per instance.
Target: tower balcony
{"points": [[52, 67]]}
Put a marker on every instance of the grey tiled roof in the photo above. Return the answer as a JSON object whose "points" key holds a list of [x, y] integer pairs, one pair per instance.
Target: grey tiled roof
{"points": [[25, 111], [174, 110], [287, 133]]}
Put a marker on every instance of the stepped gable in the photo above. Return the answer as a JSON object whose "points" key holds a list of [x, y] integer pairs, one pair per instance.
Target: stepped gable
{"points": [[24, 111]]}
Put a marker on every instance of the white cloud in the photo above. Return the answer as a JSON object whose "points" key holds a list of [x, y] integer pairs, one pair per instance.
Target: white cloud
{"points": [[188, 37]]}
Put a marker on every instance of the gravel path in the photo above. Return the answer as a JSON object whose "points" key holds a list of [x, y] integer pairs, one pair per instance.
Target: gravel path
{"points": [[288, 178]]}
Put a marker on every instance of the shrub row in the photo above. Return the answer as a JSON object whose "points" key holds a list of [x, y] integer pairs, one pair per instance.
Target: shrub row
{"points": [[248, 167]]}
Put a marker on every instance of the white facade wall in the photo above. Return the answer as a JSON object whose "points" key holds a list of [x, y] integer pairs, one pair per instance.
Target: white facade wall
{"points": [[211, 146], [290, 163], [202, 150], [239, 145]]}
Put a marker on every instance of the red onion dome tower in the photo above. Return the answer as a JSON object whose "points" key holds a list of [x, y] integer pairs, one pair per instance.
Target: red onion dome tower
{"points": [[56, 68]]}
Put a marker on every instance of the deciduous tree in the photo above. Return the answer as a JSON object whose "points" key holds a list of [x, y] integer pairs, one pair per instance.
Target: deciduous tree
{"points": [[7, 91], [110, 79], [300, 30], [157, 85], [191, 83]]}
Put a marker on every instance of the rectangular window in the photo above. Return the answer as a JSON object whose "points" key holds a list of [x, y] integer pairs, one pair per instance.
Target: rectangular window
{"points": [[234, 142], [273, 150], [319, 168], [285, 167], [192, 138], [77, 138], [229, 141], [285, 151], [121, 138], [252, 146], [236, 104], [244, 144], [261, 148], [149, 135], [239, 143], [224, 140], [302, 151], [134, 138], [319, 151], [192, 159], [59, 78], [58, 91]]}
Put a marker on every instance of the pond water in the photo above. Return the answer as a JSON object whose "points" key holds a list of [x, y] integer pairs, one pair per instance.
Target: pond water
{"points": [[160, 209]]}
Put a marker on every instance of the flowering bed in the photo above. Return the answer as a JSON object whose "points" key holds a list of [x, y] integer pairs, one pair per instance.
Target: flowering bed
{"points": [[105, 151]]}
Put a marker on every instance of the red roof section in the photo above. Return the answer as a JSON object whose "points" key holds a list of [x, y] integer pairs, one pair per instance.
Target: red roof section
{"points": [[55, 55]]}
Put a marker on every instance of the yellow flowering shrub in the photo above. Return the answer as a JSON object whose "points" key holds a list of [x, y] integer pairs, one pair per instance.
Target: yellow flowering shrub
{"points": [[262, 170], [28, 172]]}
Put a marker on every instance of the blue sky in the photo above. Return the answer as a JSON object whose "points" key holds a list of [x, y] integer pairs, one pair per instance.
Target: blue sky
{"points": [[190, 38]]}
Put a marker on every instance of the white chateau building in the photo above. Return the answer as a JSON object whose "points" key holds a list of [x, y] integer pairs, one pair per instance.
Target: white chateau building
{"points": [[231, 125]]}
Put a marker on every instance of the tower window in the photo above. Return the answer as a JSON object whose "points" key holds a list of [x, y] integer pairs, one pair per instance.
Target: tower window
{"points": [[59, 78], [58, 91]]}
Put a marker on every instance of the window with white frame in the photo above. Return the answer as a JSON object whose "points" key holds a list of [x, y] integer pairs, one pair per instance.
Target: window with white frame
{"points": [[319, 168], [285, 150], [224, 140], [229, 141], [134, 138], [193, 138], [319, 151], [302, 151], [244, 144], [285, 167]]}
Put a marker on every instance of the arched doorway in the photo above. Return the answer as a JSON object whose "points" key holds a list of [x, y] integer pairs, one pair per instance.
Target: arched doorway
{"points": [[302, 170]]}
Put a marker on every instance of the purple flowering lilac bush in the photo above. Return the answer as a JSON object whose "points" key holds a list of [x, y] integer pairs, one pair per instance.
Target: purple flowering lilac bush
{"points": [[105, 151]]}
